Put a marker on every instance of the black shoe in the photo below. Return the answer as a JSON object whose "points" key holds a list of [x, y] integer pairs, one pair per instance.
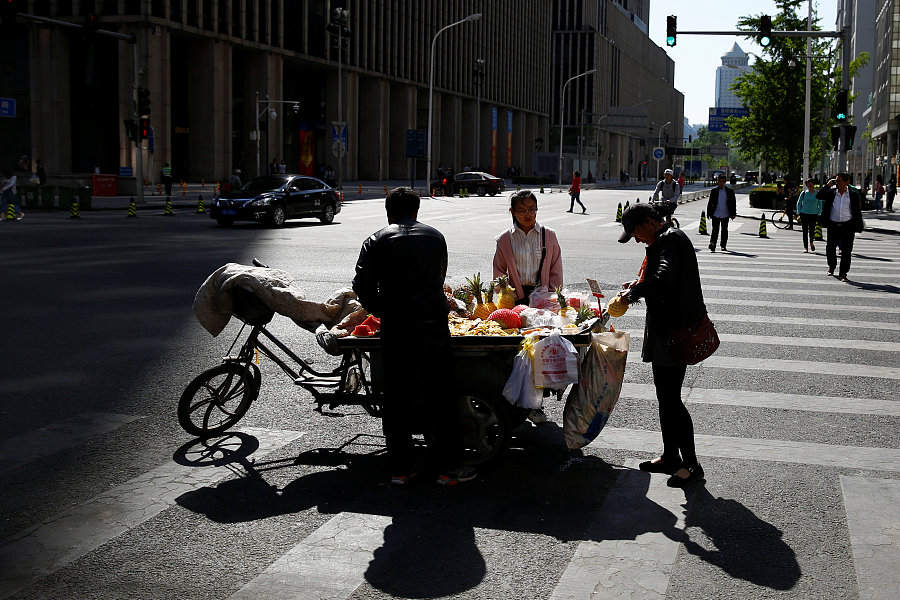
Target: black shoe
{"points": [[842, 277], [660, 465], [570, 210], [696, 474], [712, 248], [724, 249], [831, 273]]}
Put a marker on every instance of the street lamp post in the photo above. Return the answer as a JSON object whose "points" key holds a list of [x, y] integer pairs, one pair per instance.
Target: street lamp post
{"points": [[472, 17], [562, 96], [338, 27], [658, 143], [267, 109]]}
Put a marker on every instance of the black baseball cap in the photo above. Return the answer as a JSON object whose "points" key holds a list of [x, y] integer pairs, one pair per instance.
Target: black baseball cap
{"points": [[633, 216]]}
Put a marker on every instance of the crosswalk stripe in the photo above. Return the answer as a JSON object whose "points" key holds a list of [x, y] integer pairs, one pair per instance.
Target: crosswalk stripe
{"points": [[803, 305], [782, 271], [613, 224], [775, 400], [819, 281], [53, 544], [811, 260], [625, 565], [851, 293], [802, 366], [777, 320], [330, 563], [873, 522], [719, 446], [23, 449], [805, 342]]}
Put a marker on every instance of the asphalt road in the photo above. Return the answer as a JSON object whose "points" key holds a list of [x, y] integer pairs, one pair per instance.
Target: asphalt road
{"points": [[104, 496]]}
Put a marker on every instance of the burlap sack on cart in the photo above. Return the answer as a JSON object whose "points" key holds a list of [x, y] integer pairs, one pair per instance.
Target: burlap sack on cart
{"points": [[591, 401]]}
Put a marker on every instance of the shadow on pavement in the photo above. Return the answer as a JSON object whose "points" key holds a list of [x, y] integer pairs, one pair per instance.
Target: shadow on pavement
{"points": [[430, 548]]}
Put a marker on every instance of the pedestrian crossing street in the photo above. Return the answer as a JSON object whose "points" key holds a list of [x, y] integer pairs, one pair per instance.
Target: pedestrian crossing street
{"points": [[774, 283]]}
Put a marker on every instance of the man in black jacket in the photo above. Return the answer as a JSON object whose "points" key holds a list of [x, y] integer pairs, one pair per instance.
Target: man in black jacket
{"points": [[399, 278], [842, 214], [721, 207], [671, 288]]}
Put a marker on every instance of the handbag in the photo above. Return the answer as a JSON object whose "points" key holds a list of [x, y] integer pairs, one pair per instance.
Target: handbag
{"points": [[695, 344]]}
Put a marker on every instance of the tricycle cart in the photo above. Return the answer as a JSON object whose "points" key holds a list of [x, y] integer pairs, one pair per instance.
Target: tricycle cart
{"points": [[219, 397]]}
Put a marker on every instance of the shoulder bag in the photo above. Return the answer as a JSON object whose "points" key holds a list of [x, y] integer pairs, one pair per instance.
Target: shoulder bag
{"points": [[692, 345]]}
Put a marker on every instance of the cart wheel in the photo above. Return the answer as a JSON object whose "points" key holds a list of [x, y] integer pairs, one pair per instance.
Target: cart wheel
{"points": [[217, 398], [485, 428]]}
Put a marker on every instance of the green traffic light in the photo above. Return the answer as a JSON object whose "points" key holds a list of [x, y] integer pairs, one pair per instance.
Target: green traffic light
{"points": [[670, 41], [841, 117], [765, 41]]}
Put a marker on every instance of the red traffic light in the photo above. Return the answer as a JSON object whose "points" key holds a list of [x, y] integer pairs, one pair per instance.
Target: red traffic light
{"points": [[144, 128]]}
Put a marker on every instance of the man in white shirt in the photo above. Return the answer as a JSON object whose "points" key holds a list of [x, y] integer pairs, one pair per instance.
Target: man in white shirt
{"points": [[668, 187], [842, 213]]}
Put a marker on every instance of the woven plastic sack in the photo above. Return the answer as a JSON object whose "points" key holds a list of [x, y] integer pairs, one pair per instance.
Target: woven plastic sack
{"points": [[592, 400]]}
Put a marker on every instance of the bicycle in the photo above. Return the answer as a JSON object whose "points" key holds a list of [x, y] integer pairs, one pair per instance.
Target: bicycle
{"points": [[781, 220], [666, 208]]}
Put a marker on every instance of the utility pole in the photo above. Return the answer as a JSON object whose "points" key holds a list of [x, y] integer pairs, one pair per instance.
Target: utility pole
{"points": [[338, 27], [806, 114], [477, 81]]}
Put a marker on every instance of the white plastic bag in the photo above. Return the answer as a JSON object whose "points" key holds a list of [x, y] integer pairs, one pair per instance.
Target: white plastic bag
{"points": [[519, 389], [555, 362], [543, 298], [589, 404], [538, 317]]}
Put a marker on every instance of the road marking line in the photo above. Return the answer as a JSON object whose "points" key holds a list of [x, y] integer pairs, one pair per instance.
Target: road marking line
{"points": [[852, 293], [55, 437], [613, 224], [594, 219], [720, 446], [802, 366], [691, 226], [752, 269], [873, 522], [805, 342], [625, 565], [775, 400], [810, 260], [330, 563], [776, 320], [62, 539], [823, 281], [803, 305]]}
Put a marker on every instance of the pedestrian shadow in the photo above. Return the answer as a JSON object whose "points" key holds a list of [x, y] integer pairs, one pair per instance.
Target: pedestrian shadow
{"points": [[878, 258], [744, 546], [874, 287], [736, 253], [431, 547]]}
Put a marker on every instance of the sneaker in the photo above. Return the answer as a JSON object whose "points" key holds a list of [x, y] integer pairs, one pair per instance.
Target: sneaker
{"points": [[457, 476], [537, 416], [712, 248], [20, 216], [403, 479], [812, 247]]}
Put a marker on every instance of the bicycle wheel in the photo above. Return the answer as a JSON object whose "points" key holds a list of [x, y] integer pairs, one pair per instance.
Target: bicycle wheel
{"points": [[217, 398], [779, 219], [675, 223]]}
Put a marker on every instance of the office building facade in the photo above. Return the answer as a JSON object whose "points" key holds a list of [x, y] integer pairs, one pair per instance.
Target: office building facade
{"points": [[735, 63]]}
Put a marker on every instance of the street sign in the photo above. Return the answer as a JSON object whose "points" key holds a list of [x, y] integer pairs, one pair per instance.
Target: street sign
{"points": [[717, 117], [126, 172], [338, 138], [7, 107], [415, 143], [659, 153]]}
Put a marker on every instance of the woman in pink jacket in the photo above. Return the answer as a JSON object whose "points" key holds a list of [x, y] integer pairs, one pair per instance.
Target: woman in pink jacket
{"points": [[528, 252]]}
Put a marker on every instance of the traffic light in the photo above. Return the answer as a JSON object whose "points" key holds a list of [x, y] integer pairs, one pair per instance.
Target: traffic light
{"points": [[131, 130], [9, 8], [91, 24], [849, 136], [835, 136], [840, 106], [671, 29], [690, 139], [143, 102], [144, 128], [765, 30]]}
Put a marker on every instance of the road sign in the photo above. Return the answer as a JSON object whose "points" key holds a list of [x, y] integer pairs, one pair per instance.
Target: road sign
{"points": [[339, 138], [126, 172], [7, 107], [415, 143], [717, 117], [659, 153]]}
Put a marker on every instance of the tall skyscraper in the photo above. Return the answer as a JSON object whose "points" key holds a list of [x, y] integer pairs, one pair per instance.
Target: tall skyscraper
{"points": [[734, 63]]}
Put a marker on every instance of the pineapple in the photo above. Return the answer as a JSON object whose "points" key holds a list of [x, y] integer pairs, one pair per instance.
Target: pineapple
{"points": [[507, 297], [584, 313], [489, 298], [564, 307], [480, 311]]}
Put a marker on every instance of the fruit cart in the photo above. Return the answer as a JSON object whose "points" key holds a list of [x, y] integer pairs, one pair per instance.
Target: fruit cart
{"points": [[219, 397]]}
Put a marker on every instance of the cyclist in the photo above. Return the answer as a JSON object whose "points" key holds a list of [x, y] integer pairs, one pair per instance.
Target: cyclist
{"points": [[668, 187]]}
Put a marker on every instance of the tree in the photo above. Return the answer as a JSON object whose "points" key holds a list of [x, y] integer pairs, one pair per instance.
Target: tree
{"points": [[774, 93]]}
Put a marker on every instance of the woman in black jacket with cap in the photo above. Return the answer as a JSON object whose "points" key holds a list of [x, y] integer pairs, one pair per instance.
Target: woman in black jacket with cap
{"points": [[671, 289]]}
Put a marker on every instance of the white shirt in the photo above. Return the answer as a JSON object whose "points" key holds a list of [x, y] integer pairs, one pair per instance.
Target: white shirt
{"points": [[721, 211], [840, 210], [527, 250], [9, 184]]}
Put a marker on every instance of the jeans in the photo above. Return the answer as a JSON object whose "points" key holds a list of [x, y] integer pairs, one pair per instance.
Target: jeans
{"points": [[840, 235], [808, 223], [10, 196], [716, 223], [576, 197], [674, 419]]}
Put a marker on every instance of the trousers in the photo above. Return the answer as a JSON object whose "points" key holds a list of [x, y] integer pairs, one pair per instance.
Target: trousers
{"points": [[840, 235], [716, 224], [674, 419], [808, 224]]}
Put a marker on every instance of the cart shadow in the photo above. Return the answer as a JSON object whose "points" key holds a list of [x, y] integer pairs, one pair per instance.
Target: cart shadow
{"points": [[430, 548]]}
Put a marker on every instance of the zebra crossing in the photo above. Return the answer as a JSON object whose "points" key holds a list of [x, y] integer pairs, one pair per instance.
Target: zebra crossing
{"points": [[333, 559]]}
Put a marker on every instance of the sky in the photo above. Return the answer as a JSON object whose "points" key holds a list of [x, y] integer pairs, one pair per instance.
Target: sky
{"points": [[696, 57]]}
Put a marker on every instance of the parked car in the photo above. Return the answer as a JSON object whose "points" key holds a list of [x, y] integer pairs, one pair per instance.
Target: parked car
{"points": [[273, 199], [474, 182]]}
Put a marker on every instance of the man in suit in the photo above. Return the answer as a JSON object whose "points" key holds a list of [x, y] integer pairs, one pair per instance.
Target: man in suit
{"points": [[842, 214], [721, 207]]}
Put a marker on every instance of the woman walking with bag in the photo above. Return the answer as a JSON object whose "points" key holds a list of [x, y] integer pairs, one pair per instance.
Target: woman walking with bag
{"points": [[575, 193], [809, 208], [675, 313]]}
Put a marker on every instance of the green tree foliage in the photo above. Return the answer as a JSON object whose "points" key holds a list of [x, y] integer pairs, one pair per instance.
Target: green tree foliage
{"points": [[774, 92]]}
